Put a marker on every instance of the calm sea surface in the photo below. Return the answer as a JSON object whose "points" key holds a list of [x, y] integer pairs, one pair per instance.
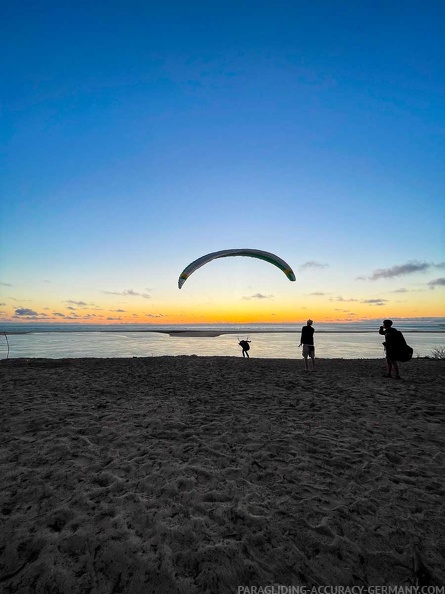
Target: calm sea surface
{"points": [[349, 341]]}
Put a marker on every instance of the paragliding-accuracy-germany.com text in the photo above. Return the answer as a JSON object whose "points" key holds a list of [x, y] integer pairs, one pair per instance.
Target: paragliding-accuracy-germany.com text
{"points": [[277, 589]]}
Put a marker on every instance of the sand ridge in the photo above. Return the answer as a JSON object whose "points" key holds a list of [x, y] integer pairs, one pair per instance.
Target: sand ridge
{"points": [[201, 474]]}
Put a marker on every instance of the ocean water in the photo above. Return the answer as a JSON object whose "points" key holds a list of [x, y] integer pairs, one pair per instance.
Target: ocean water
{"points": [[349, 341]]}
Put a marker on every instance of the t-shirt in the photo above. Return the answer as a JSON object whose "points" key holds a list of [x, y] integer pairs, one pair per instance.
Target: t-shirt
{"points": [[307, 335]]}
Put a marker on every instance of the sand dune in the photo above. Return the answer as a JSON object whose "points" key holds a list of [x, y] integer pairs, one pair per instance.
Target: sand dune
{"points": [[203, 474]]}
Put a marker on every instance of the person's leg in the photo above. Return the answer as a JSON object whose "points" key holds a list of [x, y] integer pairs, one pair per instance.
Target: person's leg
{"points": [[396, 369], [305, 353], [313, 362]]}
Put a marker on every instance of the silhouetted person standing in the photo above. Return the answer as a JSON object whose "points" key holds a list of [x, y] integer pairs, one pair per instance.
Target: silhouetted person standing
{"points": [[391, 345], [307, 340]]}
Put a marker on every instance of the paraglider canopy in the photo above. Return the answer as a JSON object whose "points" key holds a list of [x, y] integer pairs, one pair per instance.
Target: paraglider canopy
{"points": [[267, 256]]}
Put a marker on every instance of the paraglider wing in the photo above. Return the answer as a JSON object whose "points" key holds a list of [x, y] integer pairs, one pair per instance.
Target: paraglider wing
{"points": [[267, 256]]}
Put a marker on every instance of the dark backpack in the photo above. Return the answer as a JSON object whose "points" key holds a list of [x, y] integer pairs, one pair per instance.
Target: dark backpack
{"points": [[402, 351], [245, 345]]}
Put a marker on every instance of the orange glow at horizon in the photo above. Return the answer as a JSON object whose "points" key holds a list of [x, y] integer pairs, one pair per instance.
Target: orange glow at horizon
{"points": [[268, 313], [255, 310]]}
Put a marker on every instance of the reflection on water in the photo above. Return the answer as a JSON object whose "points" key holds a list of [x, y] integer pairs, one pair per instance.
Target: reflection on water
{"points": [[153, 344]]}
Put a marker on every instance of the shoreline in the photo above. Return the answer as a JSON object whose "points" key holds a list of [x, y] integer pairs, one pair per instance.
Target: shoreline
{"points": [[295, 361], [187, 474], [205, 333]]}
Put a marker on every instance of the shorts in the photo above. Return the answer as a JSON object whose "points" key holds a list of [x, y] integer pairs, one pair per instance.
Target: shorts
{"points": [[308, 350]]}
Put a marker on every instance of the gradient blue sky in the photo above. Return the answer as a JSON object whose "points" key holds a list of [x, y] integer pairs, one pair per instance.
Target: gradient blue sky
{"points": [[137, 136]]}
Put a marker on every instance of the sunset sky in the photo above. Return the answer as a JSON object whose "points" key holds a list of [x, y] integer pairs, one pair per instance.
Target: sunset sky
{"points": [[138, 136]]}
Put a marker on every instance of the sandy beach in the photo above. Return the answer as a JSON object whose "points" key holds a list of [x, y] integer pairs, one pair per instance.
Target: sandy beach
{"points": [[190, 475]]}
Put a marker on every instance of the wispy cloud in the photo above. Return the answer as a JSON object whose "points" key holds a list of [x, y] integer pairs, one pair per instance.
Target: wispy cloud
{"points": [[318, 294], [25, 311], [411, 267], [78, 303], [312, 264], [258, 296], [401, 290], [128, 293], [438, 282], [376, 302], [6, 285], [342, 299], [150, 315]]}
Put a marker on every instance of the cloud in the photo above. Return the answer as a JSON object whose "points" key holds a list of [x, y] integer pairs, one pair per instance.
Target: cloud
{"points": [[59, 315], [128, 293], [402, 290], [118, 310], [341, 299], [259, 296], [31, 316], [438, 282], [312, 264], [79, 303], [150, 315], [403, 269], [318, 294], [376, 302], [6, 285], [24, 311]]}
